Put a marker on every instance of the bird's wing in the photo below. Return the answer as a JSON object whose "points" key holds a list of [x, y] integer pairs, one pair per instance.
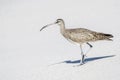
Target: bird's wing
{"points": [[85, 35], [81, 35]]}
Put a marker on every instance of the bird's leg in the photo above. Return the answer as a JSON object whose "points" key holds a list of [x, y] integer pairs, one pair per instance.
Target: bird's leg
{"points": [[82, 56], [89, 45], [89, 49]]}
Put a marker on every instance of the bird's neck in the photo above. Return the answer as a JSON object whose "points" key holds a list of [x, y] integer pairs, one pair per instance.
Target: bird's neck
{"points": [[62, 28]]}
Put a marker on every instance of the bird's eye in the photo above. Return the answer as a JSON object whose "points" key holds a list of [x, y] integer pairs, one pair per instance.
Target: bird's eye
{"points": [[56, 21]]}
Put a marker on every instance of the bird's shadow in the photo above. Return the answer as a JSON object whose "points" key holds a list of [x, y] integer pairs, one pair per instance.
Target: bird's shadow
{"points": [[86, 60]]}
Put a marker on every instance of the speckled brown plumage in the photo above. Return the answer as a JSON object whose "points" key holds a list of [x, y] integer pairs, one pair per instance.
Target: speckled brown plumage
{"points": [[80, 36]]}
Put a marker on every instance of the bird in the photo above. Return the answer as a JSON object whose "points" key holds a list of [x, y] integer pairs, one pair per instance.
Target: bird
{"points": [[80, 36]]}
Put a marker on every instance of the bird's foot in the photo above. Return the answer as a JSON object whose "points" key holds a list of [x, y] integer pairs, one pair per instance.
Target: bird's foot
{"points": [[77, 65], [82, 63]]}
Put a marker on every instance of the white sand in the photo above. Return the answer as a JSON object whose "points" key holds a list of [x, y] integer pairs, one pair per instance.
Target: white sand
{"points": [[28, 54]]}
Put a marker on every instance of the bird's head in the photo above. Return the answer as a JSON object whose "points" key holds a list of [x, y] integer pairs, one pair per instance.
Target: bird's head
{"points": [[58, 21]]}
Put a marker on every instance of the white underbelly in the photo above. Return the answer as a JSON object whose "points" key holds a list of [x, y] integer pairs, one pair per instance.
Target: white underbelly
{"points": [[73, 42]]}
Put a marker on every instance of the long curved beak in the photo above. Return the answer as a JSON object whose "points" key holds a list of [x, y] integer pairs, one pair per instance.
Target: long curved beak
{"points": [[48, 25]]}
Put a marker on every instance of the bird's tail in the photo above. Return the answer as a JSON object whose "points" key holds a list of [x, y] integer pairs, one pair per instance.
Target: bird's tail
{"points": [[107, 36]]}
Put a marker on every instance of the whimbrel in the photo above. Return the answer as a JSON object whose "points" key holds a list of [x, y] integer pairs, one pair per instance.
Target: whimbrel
{"points": [[80, 36]]}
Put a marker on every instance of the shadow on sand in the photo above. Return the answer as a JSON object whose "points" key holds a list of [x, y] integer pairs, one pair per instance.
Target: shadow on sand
{"points": [[86, 60]]}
